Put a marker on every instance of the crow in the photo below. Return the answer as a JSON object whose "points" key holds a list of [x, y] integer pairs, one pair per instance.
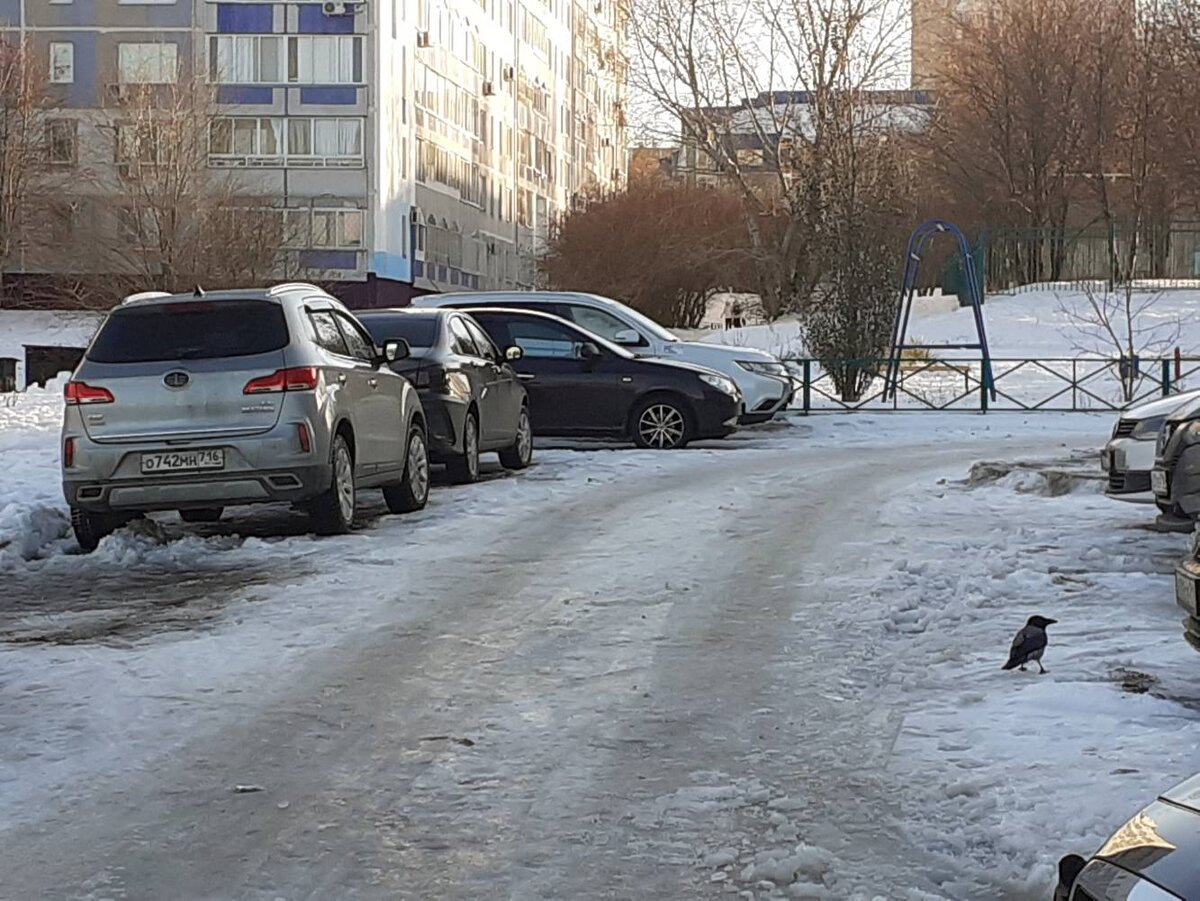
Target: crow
{"points": [[1030, 644]]}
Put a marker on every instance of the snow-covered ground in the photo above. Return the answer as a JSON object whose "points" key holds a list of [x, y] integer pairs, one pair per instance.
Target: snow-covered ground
{"points": [[769, 666], [1041, 323], [50, 328], [992, 774], [1030, 323]]}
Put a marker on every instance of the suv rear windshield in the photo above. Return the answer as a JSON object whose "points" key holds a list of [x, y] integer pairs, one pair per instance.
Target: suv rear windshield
{"points": [[190, 330]]}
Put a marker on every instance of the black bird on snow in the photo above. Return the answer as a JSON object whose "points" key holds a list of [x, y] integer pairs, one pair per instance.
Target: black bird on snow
{"points": [[1030, 644]]}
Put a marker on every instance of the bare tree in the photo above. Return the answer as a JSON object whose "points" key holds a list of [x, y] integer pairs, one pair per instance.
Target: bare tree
{"points": [[774, 97], [1120, 321], [24, 186], [1179, 44], [177, 223], [1007, 137]]}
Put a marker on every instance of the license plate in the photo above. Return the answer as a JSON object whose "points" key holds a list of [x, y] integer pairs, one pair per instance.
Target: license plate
{"points": [[1158, 481], [183, 461], [1185, 593]]}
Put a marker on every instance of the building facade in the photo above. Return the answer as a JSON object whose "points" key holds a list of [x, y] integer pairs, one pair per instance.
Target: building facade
{"points": [[412, 145]]}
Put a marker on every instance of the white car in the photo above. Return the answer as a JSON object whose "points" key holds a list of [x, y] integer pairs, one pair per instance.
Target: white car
{"points": [[1128, 457], [764, 381]]}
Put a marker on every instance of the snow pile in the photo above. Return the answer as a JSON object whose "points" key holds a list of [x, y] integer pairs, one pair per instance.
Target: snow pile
{"points": [[26, 531], [33, 516], [997, 760], [51, 328]]}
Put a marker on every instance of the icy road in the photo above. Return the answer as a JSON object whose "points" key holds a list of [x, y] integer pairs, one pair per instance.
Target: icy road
{"points": [[768, 667]]}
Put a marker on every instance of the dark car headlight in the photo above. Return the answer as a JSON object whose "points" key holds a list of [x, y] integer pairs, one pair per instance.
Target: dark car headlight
{"points": [[721, 383]]}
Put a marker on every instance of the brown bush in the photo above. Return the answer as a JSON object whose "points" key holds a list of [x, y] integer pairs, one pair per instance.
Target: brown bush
{"points": [[660, 247]]}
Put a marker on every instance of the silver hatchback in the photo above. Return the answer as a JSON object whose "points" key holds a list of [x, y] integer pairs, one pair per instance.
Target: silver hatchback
{"points": [[199, 402]]}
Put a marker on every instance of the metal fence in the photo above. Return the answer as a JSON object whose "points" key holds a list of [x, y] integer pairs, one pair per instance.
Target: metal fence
{"points": [[1022, 256], [1082, 384]]}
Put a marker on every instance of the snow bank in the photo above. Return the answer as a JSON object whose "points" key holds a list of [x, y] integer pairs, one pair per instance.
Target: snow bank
{"points": [[999, 760], [53, 328], [1032, 323], [33, 516]]}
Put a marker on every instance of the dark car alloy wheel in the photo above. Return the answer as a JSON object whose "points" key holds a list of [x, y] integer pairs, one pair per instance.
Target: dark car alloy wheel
{"points": [[333, 510], [661, 425], [412, 492], [464, 469], [519, 454]]}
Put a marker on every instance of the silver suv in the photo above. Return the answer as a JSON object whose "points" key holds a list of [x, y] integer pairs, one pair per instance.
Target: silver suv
{"points": [[201, 401]]}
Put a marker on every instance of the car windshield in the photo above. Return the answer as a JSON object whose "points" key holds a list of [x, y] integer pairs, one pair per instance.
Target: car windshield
{"points": [[418, 331], [646, 324], [190, 330], [537, 335]]}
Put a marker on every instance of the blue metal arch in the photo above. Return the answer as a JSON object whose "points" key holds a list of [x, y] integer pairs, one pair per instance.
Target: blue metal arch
{"points": [[917, 243]]}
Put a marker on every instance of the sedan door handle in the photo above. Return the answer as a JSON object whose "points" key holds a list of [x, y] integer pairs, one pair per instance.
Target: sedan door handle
{"points": [[342, 378], [374, 383], [526, 376]]}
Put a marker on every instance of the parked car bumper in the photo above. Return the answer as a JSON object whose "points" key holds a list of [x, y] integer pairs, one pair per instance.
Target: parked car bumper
{"points": [[265, 468], [1178, 484], [764, 396], [1127, 463], [1187, 596], [718, 415], [445, 416]]}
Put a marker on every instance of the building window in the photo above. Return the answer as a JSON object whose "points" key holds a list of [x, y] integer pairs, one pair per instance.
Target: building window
{"points": [[337, 229], [296, 141], [148, 63], [140, 143], [62, 62], [325, 59], [62, 142], [245, 136], [245, 59]]}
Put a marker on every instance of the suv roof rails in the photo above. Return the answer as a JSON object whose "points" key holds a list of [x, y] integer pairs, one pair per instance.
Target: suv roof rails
{"points": [[145, 295], [288, 286]]}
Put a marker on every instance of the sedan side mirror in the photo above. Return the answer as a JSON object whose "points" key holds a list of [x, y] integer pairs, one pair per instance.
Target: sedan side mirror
{"points": [[588, 351], [396, 349], [513, 354], [628, 337]]}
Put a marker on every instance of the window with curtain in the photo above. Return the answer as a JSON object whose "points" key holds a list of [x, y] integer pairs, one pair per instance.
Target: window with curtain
{"points": [[245, 59], [325, 59], [155, 63]]}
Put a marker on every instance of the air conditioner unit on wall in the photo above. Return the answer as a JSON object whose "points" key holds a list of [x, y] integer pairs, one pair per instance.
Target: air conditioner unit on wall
{"points": [[489, 89], [336, 8], [508, 73]]}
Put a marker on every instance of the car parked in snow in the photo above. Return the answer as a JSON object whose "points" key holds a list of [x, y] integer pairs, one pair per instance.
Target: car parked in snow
{"points": [[1128, 457], [473, 400], [1175, 479], [581, 385], [1187, 592], [198, 402], [763, 380], [1153, 857]]}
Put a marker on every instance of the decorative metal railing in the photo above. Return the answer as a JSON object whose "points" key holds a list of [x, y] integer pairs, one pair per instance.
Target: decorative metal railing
{"points": [[1029, 384]]}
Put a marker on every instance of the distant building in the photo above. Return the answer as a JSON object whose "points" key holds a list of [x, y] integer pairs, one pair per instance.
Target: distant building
{"points": [[759, 132], [652, 162], [420, 145], [932, 30]]}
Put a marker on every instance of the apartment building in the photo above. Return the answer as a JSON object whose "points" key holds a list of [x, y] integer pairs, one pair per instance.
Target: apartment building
{"points": [[411, 145]]}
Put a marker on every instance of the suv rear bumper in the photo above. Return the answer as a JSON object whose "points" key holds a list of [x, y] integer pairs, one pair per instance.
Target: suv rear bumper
{"points": [[199, 489]]}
